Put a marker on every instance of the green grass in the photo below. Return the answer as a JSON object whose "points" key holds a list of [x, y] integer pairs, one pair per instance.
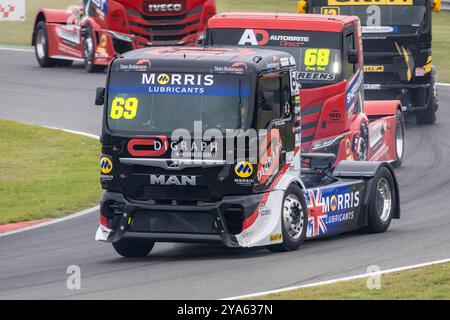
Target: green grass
{"points": [[441, 45], [45, 173], [429, 283]]}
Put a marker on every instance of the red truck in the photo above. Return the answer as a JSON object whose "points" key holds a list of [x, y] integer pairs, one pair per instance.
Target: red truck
{"points": [[100, 30], [329, 55]]}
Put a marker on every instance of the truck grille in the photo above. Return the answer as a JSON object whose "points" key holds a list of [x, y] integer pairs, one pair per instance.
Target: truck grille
{"points": [[166, 30]]}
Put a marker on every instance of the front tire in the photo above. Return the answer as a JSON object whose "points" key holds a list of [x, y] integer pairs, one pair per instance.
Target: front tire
{"points": [[41, 48], [133, 248], [428, 116], [89, 52], [382, 201], [294, 219], [360, 144], [399, 138]]}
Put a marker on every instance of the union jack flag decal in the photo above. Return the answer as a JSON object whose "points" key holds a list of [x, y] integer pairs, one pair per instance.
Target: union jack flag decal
{"points": [[316, 214]]}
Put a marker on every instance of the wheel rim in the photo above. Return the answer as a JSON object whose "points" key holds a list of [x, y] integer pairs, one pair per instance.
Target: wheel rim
{"points": [[88, 49], [384, 199], [399, 139], [41, 42], [293, 216]]}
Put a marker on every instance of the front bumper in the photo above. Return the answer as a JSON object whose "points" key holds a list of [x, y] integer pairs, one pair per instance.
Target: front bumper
{"points": [[217, 222], [414, 97]]}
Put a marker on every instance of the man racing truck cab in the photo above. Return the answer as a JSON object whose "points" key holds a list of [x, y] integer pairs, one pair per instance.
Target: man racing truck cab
{"points": [[335, 117], [101, 29], [203, 145], [397, 49]]}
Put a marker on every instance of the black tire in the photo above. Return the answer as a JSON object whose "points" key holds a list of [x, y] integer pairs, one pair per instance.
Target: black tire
{"points": [[290, 243], [133, 248], [89, 42], [378, 222], [428, 116], [41, 46], [399, 133]]}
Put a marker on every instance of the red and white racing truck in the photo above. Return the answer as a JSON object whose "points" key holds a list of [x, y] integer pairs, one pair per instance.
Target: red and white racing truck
{"points": [[329, 55], [100, 30]]}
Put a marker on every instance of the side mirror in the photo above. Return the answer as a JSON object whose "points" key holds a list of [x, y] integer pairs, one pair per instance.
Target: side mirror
{"points": [[353, 57], [302, 6], [100, 96], [436, 5]]}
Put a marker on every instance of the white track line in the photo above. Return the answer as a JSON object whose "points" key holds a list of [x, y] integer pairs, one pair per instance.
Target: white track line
{"points": [[16, 49], [44, 224], [360, 276], [443, 84], [93, 136]]}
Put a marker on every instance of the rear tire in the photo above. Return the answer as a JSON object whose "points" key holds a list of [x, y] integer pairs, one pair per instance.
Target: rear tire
{"points": [[428, 116], [133, 248], [89, 52], [382, 201], [294, 220], [399, 138]]}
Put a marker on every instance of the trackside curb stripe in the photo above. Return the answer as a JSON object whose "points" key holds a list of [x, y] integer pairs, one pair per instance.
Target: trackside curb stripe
{"points": [[360, 276], [40, 225]]}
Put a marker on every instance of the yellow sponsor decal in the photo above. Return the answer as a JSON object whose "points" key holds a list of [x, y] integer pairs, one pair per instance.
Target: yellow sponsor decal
{"points": [[106, 165], [163, 78], [373, 68], [428, 67], [402, 51], [370, 2], [275, 237], [331, 11], [243, 169], [124, 108], [103, 40], [333, 203]]}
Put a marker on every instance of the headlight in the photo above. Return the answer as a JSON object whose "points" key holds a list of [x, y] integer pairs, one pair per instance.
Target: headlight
{"points": [[327, 143], [120, 36]]}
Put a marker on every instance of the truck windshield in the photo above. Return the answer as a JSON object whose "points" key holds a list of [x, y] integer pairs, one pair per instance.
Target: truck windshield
{"points": [[382, 15], [317, 54], [147, 103]]}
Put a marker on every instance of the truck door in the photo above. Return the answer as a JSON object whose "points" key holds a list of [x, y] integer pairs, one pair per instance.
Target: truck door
{"points": [[352, 71], [274, 114]]}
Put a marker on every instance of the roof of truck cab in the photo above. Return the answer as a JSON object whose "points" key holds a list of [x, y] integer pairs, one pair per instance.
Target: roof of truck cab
{"points": [[185, 58], [281, 21]]}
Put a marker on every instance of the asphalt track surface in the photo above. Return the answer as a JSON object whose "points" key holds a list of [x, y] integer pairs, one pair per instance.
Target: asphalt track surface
{"points": [[33, 263]]}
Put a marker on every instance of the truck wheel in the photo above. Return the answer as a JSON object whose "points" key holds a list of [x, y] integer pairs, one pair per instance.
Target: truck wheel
{"points": [[294, 219], [428, 116], [361, 143], [399, 138], [382, 201], [89, 52], [41, 48], [133, 248]]}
